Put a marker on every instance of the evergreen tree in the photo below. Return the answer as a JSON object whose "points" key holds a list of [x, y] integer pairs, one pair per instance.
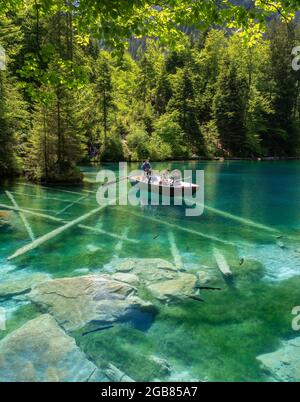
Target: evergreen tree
{"points": [[182, 103], [64, 95], [163, 92], [229, 109], [14, 123], [103, 95], [282, 136]]}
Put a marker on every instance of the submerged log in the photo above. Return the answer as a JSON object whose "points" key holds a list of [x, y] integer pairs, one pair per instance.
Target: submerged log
{"points": [[119, 245], [174, 251], [187, 230], [21, 215], [47, 198], [116, 375], [55, 219], [244, 221], [43, 239], [228, 215], [116, 236], [71, 205], [34, 213], [222, 263], [51, 188]]}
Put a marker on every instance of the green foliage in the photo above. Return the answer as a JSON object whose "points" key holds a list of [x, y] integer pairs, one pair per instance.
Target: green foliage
{"points": [[114, 22], [13, 126], [183, 103], [211, 139], [73, 93], [138, 142], [54, 143], [114, 148], [167, 140]]}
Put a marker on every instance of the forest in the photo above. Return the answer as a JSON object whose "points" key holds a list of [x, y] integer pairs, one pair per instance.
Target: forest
{"points": [[67, 97]]}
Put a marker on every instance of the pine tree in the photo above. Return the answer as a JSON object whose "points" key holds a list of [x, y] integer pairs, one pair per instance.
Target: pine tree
{"points": [[229, 109], [163, 92], [282, 137], [103, 95], [55, 142], [182, 103], [14, 124]]}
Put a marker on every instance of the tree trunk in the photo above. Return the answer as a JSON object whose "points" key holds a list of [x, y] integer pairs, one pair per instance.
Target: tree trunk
{"points": [[59, 132]]}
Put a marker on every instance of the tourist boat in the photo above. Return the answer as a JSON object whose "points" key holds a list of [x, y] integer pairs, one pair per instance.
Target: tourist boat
{"points": [[159, 185]]}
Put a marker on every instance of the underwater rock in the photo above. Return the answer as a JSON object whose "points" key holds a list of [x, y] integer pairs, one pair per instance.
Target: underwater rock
{"points": [[180, 287], [41, 351], [20, 282], [132, 279], [250, 270], [284, 364], [148, 270], [159, 276], [78, 301], [125, 265], [204, 277], [5, 217], [129, 264], [163, 366], [116, 375], [91, 248]]}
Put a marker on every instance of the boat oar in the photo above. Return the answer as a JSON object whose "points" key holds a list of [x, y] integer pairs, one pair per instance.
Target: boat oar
{"points": [[185, 178], [109, 183]]}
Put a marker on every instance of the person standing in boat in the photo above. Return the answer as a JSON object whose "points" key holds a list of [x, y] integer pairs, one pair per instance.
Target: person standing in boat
{"points": [[146, 168]]}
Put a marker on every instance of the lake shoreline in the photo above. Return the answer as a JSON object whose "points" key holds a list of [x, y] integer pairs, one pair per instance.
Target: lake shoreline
{"points": [[203, 158], [53, 183]]}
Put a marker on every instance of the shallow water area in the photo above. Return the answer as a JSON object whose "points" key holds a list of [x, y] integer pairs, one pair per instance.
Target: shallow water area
{"points": [[251, 216]]}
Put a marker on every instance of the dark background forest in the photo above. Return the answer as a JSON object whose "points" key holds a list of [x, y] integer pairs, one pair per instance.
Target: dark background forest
{"points": [[66, 100]]}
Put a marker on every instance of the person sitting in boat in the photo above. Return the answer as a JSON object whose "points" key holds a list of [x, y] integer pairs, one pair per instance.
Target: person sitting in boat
{"points": [[146, 167], [165, 177]]}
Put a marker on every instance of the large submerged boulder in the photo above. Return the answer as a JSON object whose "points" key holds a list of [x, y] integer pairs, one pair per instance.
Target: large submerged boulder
{"points": [[183, 285], [148, 270], [132, 279], [78, 301], [13, 284], [41, 351], [284, 364], [160, 277]]}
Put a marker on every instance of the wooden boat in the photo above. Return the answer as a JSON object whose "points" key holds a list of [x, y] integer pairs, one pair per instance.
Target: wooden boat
{"points": [[164, 186]]}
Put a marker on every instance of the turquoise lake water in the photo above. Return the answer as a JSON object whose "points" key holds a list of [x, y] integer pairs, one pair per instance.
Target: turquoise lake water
{"points": [[253, 215]]}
